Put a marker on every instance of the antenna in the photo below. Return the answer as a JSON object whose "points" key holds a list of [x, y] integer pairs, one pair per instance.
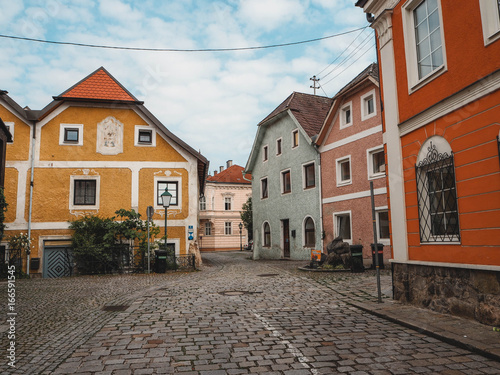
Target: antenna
{"points": [[314, 79]]}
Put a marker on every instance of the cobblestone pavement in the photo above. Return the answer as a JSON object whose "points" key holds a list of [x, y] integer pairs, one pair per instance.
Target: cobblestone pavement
{"points": [[236, 316]]}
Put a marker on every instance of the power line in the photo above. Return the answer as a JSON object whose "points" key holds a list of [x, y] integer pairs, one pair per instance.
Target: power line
{"points": [[175, 49]]}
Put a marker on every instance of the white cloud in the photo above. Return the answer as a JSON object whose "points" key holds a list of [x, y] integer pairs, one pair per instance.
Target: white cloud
{"points": [[269, 15]]}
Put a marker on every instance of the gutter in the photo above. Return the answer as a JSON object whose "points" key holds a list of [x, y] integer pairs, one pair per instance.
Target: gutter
{"points": [[33, 140]]}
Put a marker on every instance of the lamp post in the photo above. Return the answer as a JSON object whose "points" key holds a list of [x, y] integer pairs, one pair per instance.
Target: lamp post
{"points": [[241, 244], [165, 200]]}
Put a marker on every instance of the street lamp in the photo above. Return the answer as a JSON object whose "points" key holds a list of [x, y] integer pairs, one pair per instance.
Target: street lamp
{"points": [[165, 201], [241, 244]]}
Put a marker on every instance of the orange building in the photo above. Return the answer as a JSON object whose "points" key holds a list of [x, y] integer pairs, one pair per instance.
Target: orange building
{"points": [[93, 150], [440, 79]]}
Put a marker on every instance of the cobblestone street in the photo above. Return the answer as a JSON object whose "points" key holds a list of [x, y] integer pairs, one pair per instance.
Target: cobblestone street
{"points": [[235, 316]]}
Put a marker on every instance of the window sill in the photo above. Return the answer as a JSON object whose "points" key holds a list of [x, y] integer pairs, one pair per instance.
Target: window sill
{"points": [[428, 78], [346, 183], [376, 176]]}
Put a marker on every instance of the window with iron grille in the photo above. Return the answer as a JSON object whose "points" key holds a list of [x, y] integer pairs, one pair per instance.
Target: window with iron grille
{"points": [[437, 197]]}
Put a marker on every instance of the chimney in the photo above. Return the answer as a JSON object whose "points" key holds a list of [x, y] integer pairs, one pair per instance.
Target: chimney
{"points": [[215, 172], [229, 163], [221, 168]]}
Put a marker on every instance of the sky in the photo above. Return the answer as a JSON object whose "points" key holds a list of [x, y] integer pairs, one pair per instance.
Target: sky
{"points": [[211, 100]]}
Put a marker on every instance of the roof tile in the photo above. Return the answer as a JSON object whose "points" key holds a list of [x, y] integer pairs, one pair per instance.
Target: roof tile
{"points": [[233, 175]]}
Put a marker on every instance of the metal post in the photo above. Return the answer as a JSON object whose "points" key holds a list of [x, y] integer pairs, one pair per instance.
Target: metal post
{"points": [[149, 263], [375, 242], [241, 243], [165, 228]]}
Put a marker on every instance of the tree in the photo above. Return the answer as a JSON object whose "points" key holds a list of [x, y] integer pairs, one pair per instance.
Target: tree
{"points": [[246, 217]]}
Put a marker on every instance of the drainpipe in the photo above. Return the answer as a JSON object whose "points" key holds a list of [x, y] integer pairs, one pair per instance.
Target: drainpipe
{"points": [[33, 139]]}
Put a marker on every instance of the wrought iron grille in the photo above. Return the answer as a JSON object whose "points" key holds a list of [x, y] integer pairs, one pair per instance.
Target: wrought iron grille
{"points": [[437, 198]]}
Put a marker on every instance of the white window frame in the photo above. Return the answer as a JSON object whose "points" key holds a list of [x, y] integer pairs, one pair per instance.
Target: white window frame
{"points": [[295, 131], [280, 141], [264, 235], [490, 19], [282, 183], [364, 105], [62, 129], [265, 153], [208, 225], [338, 161], [228, 199], [80, 207], [136, 136], [203, 203], [304, 231], [379, 210], [335, 216], [11, 130], [414, 82], [343, 109], [262, 191], [226, 227], [369, 155], [304, 177], [179, 191]]}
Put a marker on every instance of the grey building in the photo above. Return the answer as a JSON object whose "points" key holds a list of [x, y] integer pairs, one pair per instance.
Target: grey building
{"points": [[285, 168]]}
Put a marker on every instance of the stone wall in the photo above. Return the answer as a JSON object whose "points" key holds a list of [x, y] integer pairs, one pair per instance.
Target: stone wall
{"points": [[468, 293]]}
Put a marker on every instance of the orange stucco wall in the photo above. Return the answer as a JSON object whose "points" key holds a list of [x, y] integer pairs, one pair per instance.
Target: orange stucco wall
{"points": [[19, 149]]}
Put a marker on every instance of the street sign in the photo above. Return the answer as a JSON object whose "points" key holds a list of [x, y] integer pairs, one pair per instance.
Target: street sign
{"points": [[150, 211]]}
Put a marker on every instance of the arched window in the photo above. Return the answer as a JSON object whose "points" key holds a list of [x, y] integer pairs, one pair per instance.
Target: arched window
{"points": [[309, 233], [266, 231], [436, 192]]}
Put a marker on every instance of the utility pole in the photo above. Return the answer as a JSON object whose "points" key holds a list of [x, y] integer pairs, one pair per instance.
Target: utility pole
{"points": [[314, 79]]}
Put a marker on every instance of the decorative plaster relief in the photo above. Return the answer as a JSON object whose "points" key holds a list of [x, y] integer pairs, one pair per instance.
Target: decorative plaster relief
{"points": [[110, 136], [383, 26], [84, 172], [167, 173]]}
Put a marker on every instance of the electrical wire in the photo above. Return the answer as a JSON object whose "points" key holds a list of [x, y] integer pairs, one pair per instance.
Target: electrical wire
{"points": [[178, 50]]}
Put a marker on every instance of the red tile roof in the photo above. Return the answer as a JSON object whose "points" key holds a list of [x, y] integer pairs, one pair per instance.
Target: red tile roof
{"points": [[232, 175], [99, 85], [309, 110]]}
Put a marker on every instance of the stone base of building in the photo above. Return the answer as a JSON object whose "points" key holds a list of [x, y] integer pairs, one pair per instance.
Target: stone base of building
{"points": [[468, 293]]}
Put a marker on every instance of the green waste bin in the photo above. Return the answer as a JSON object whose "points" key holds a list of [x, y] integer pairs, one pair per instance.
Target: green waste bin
{"points": [[357, 258], [160, 261]]}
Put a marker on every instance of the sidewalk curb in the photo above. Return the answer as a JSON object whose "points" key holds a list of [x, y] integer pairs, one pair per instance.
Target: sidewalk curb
{"points": [[464, 342]]}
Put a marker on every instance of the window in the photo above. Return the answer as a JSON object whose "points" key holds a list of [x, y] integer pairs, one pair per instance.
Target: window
{"points": [[278, 147], [144, 136], [424, 41], [376, 162], [346, 115], [344, 171], [436, 195], [309, 233], [490, 18], [342, 223], [172, 187], [71, 134], [265, 155], [208, 228], [309, 176], [383, 225], [295, 138], [266, 232], [286, 186], [368, 109], [10, 128], [227, 203], [203, 203], [264, 192], [228, 229], [84, 192]]}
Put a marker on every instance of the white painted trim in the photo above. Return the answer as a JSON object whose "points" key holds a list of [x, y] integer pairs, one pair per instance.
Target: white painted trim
{"points": [[282, 186], [335, 234], [261, 195], [280, 139], [298, 138], [342, 111], [352, 138], [481, 88], [364, 107], [62, 128], [265, 153], [359, 194], [414, 82], [137, 128], [338, 171], [304, 165], [73, 207], [482, 267], [378, 210], [369, 164], [179, 192], [490, 19]]}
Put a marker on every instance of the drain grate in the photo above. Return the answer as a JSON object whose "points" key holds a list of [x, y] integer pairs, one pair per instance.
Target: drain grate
{"points": [[236, 292], [268, 275], [115, 308]]}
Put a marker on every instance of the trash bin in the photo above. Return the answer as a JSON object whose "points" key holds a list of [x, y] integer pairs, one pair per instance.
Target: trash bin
{"points": [[357, 258], [160, 261], [380, 250], [35, 264]]}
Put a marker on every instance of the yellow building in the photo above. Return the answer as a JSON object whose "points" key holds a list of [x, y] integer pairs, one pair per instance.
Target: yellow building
{"points": [[93, 150]]}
